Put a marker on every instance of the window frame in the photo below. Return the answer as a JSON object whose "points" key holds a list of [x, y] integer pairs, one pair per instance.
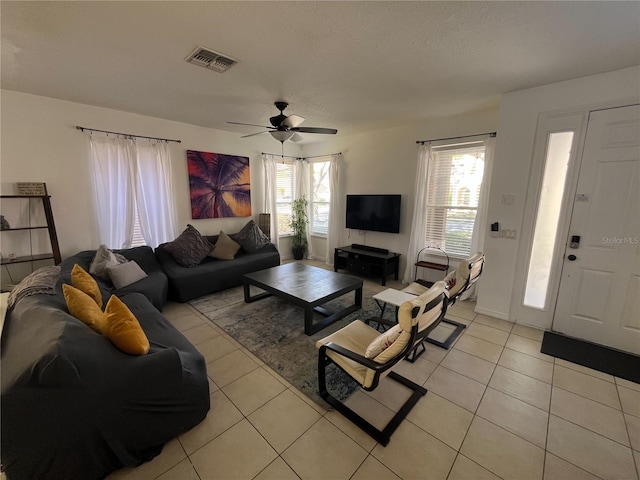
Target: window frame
{"points": [[453, 203], [313, 202]]}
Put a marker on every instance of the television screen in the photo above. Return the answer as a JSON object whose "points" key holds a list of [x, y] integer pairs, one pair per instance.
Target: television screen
{"points": [[379, 213]]}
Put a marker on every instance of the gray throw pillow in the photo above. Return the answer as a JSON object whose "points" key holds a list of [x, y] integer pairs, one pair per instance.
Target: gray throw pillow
{"points": [[125, 274], [225, 248], [189, 248], [103, 259], [251, 238]]}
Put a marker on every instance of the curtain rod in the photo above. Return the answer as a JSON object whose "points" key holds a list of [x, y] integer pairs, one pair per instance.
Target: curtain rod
{"points": [[82, 129], [300, 158], [490, 134]]}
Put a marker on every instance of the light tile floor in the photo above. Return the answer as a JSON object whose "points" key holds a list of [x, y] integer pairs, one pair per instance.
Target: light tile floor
{"points": [[496, 408]]}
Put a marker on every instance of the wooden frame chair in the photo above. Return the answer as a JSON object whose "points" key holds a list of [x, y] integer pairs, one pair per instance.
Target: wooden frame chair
{"points": [[367, 356], [465, 276]]}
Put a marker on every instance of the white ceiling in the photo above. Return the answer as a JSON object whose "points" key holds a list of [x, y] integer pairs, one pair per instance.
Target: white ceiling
{"points": [[346, 65]]}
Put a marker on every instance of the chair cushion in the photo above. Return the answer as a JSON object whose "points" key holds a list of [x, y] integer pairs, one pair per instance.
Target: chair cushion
{"points": [[356, 337], [415, 289]]}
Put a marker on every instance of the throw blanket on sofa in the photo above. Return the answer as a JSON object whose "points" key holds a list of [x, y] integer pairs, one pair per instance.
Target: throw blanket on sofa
{"points": [[42, 280]]}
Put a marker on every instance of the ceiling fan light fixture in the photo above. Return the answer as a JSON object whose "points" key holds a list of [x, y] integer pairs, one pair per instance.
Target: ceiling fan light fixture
{"points": [[281, 136]]}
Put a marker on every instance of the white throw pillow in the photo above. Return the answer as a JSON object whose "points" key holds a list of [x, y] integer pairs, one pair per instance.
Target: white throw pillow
{"points": [[382, 342]]}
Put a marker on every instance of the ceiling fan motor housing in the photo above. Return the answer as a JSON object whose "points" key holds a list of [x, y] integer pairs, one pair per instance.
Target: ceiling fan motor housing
{"points": [[278, 119]]}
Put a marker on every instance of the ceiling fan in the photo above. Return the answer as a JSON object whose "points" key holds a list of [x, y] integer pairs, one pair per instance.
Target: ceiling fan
{"points": [[285, 127]]}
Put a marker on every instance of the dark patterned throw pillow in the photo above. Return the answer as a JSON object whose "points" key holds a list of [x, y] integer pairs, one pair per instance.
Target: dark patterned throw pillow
{"points": [[251, 238], [189, 248]]}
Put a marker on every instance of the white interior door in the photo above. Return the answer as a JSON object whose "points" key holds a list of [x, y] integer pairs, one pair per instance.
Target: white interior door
{"points": [[599, 295]]}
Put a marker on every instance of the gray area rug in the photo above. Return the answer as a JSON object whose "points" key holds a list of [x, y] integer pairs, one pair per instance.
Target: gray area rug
{"points": [[273, 330]]}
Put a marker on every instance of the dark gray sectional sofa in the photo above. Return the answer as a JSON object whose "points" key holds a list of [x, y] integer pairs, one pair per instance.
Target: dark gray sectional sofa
{"points": [[73, 406], [212, 275]]}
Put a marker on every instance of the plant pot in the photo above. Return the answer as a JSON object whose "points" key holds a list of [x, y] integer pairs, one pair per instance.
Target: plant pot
{"points": [[298, 253]]}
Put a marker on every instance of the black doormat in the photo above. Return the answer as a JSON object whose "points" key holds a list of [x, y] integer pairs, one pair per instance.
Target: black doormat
{"points": [[608, 360]]}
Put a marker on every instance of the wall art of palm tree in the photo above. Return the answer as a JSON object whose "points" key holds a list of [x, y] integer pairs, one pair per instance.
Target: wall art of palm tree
{"points": [[219, 184]]}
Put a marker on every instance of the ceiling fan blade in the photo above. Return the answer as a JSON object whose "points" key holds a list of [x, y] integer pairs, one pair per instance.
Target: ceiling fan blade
{"points": [[252, 134], [292, 121], [250, 124], [313, 130], [296, 137]]}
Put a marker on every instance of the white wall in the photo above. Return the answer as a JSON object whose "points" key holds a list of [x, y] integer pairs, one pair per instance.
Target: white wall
{"points": [[41, 144], [514, 148], [385, 161]]}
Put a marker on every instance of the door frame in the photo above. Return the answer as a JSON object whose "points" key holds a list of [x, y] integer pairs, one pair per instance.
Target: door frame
{"points": [[518, 312], [548, 123]]}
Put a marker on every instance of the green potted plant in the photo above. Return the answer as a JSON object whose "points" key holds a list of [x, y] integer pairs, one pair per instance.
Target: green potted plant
{"points": [[299, 226]]}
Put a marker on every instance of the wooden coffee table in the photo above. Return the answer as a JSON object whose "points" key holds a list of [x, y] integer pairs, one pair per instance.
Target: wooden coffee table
{"points": [[306, 286]]}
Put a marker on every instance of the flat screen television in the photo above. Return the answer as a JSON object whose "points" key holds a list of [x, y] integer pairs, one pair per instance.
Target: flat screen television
{"points": [[378, 213]]}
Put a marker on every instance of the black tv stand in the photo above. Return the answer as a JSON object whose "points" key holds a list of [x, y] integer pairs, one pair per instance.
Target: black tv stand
{"points": [[357, 246], [365, 260]]}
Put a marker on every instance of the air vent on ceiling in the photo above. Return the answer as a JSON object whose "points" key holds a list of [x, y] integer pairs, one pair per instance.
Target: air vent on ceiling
{"points": [[207, 58]]}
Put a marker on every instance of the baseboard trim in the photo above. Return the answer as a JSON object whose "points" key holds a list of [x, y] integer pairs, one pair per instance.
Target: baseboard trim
{"points": [[491, 313], [604, 359]]}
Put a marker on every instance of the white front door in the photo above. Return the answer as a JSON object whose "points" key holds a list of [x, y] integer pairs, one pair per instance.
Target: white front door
{"points": [[599, 295]]}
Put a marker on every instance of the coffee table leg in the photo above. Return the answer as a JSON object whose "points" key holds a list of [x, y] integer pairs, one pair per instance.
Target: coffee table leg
{"points": [[247, 297], [308, 321], [247, 293]]}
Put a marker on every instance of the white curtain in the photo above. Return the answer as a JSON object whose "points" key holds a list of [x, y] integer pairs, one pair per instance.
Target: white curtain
{"points": [[112, 160], [302, 187], [480, 226], [335, 211], [418, 222], [269, 165], [154, 192], [129, 174]]}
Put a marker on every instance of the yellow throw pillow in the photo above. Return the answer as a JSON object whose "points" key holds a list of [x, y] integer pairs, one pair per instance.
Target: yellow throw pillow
{"points": [[83, 307], [123, 329], [86, 283]]}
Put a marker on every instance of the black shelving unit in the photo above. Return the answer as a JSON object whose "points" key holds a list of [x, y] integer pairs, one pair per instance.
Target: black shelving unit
{"points": [[441, 265]]}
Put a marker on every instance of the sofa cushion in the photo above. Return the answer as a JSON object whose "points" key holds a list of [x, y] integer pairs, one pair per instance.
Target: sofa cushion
{"points": [[225, 248], [125, 274], [123, 329], [86, 283], [104, 258], [189, 248], [83, 307], [251, 238]]}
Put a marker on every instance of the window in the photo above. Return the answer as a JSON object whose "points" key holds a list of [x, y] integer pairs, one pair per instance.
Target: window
{"points": [[284, 197], [453, 190], [320, 198], [546, 226]]}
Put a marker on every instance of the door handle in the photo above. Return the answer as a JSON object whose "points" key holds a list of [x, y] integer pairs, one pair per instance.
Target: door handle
{"points": [[571, 258]]}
